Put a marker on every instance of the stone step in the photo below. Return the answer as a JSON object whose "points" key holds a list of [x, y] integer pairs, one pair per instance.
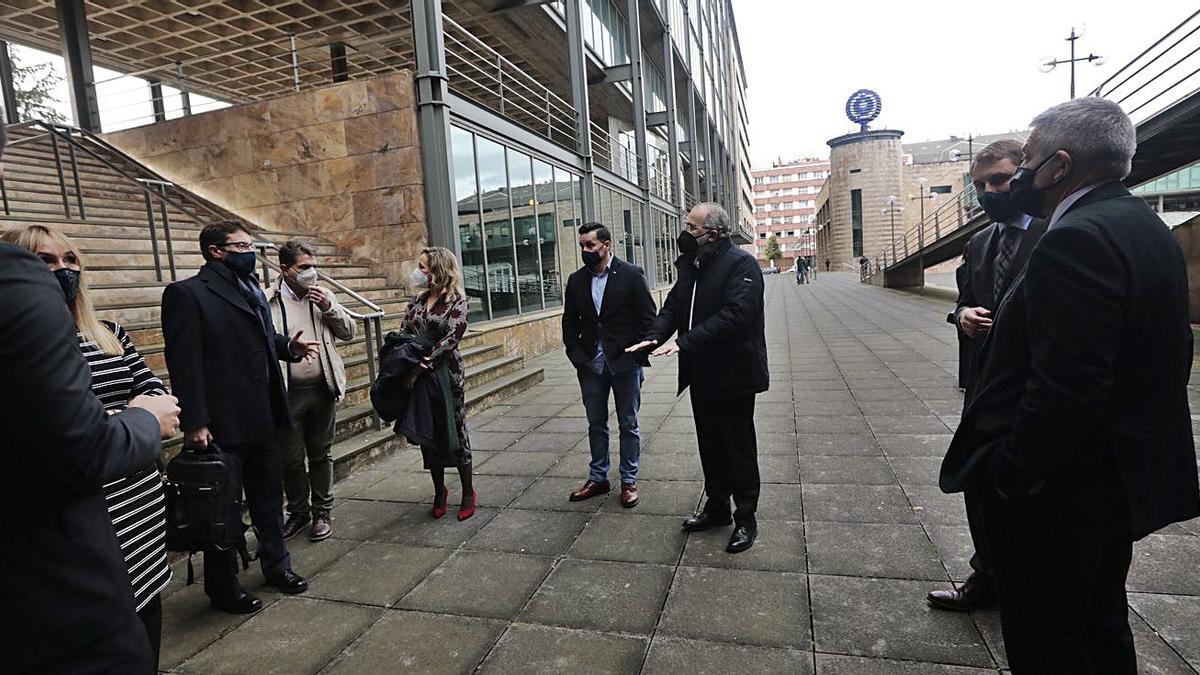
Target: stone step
{"points": [[484, 397]]}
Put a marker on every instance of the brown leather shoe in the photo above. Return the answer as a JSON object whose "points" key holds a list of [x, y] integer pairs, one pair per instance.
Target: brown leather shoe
{"points": [[629, 495], [590, 489], [321, 529], [295, 525], [972, 595]]}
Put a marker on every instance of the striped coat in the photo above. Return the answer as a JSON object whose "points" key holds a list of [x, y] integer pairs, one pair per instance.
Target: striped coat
{"points": [[136, 502]]}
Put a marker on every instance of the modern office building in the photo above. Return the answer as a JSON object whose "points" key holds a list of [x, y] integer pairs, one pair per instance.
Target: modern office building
{"points": [[507, 124], [785, 208]]}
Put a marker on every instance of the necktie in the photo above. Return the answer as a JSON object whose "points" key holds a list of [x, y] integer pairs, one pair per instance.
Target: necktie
{"points": [[1010, 238]]}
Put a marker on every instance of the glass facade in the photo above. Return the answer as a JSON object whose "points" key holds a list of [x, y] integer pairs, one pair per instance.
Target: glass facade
{"points": [[1183, 180], [517, 217], [604, 30], [856, 221]]}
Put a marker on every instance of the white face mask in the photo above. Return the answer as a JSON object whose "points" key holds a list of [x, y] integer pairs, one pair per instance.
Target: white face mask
{"points": [[418, 278], [307, 278]]}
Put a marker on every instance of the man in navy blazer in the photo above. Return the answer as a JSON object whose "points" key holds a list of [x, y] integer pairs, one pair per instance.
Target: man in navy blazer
{"points": [[606, 309], [1076, 438]]}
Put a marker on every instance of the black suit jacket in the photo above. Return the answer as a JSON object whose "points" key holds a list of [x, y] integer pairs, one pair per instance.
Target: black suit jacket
{"points": [[1086, 368], [975, 285], [626, 312], [224, 364], [723, 353], [63, 583]]}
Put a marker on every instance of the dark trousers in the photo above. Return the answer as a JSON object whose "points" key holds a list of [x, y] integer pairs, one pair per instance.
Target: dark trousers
{"points": [[981, 564], [151, 616], [311, 438], [263, 485], [1060, 560], [627, 391], [124, 651], [729, 455]]}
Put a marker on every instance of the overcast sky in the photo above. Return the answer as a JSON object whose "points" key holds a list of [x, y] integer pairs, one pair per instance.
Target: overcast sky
{"points": [[942, 67]]}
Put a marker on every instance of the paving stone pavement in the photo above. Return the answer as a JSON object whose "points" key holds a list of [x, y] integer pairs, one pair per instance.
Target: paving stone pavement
{"points": [[853, 533]]}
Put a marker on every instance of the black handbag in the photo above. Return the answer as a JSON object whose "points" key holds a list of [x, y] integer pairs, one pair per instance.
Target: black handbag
{"points": [[204, 504]]}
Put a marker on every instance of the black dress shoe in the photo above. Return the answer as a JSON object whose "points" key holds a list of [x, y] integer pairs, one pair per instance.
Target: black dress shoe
{"points": [[705, 521], [288, 582], [742, 538], [236, 602], [973, 594]]}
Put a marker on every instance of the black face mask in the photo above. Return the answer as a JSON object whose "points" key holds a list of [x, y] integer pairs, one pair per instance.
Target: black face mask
{"points": [[998, 206], [687, 243], [1025, 195], [69, 280], [242, 262], [591, 258]]}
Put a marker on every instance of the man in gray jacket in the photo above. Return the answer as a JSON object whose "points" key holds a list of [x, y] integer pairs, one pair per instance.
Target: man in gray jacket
{"points": [[314, 388]]}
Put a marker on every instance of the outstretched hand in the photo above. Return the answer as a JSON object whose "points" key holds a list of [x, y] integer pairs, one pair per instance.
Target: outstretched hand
{"points": [[304, 348], [669, 349], [640, 346]]}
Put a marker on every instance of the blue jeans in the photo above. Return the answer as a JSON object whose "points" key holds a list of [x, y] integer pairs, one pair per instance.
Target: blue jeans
{"points": [[627, 390]]}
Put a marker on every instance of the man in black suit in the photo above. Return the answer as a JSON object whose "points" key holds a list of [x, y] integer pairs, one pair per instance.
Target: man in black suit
{"points": [[995, 257], [716, 306], [607, 308], [223, 355], [1076, 437], [67, 603]]}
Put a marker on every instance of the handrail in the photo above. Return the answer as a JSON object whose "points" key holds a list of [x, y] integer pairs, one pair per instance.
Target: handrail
{"points": [[948, 218], [1144, 79]]}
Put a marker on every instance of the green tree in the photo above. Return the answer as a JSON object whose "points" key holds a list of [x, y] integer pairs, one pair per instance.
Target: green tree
{"points": [[34, 86], [773, 253]]}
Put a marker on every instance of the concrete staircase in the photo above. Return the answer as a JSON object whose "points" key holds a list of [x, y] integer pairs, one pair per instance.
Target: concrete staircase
{"points": [[113, 233]]}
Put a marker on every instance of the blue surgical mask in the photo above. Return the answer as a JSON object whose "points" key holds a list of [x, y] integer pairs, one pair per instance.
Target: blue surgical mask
{"points": [[242, 263]]}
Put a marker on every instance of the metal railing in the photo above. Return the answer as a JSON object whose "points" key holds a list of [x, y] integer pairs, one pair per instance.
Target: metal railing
{"points": [[1163, 74], [661, 184], [164, 204], [480, 73], [949, 217], [609, 153]]}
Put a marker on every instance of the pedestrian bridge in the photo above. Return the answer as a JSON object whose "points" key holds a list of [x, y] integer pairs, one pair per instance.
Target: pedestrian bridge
{"points": [[853, 533], [1160, 89]]}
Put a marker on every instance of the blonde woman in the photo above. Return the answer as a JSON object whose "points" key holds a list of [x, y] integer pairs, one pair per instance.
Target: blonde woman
{"points": [[135, 503], [439, 312]]}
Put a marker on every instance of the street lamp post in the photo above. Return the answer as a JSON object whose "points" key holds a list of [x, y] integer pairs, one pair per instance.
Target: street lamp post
{"points": [[1049, 62], [892, 210]]}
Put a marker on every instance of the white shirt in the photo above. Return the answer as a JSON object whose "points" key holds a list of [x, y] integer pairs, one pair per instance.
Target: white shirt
{"points": [[1069, 202]]}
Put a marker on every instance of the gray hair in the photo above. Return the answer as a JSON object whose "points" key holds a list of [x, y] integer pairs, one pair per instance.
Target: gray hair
{"points": [[715, 217], [1096, 133]]}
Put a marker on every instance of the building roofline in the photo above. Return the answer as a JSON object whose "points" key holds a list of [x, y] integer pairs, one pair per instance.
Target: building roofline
{"points": [[862, 136]]}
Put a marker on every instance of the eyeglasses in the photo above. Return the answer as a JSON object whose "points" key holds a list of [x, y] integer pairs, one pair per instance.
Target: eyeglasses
{"points": [[238, 245]]}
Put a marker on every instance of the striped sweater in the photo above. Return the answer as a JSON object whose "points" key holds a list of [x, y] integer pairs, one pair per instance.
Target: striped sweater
{"points": [[136, 502]]}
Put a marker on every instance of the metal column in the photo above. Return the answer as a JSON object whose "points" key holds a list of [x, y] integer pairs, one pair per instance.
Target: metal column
{"points": [[693, 143], [338, 65], [708, 158], [672, 119], [11, 115], [579, 100], [156, 101], [637, 83], [433, 123], [77, 56]]}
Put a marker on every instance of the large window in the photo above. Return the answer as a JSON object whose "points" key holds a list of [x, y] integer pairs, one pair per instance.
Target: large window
{"points": [[516, 218], [856, 221], [470, 230]]}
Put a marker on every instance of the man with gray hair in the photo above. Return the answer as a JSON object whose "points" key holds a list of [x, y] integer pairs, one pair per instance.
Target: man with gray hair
{"points": [[1076, 437], [716, 306]]}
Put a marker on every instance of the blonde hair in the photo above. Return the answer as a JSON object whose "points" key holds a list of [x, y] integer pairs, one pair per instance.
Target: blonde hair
{"points": [[35, 237], [444, 277]]}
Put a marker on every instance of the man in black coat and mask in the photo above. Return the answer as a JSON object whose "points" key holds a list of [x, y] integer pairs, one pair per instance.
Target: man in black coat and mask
{"points": [[716, 307], [223, 355], [1076, 438], [995, 256]]}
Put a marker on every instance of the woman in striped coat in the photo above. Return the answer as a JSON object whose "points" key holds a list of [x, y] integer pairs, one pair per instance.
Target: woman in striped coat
{"points": [[136, 502]]}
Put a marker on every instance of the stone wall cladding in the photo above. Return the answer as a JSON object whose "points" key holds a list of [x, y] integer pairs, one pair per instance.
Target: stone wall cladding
{"points": [[341, 162]]}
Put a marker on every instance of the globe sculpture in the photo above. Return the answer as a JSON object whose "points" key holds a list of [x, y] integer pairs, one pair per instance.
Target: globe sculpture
{"points": [[863, 107]]}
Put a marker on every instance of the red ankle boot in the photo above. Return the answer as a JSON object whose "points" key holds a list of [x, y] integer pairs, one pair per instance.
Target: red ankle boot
{"points": [[439, 503], [468, 510]]}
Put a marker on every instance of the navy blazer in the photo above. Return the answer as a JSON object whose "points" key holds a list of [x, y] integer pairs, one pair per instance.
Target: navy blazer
{"points": [[626, 311]]}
